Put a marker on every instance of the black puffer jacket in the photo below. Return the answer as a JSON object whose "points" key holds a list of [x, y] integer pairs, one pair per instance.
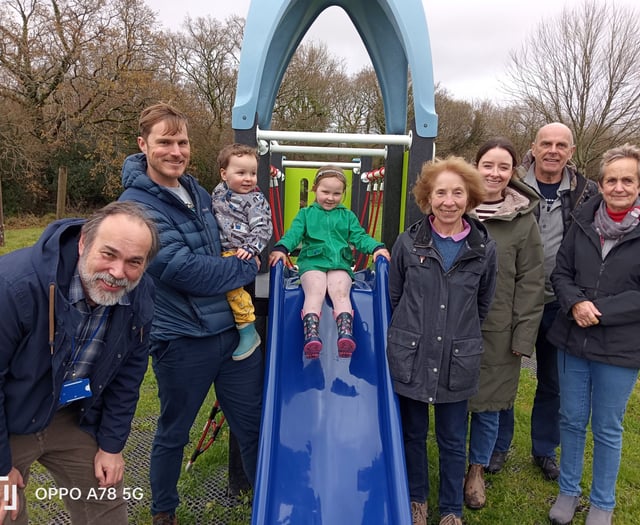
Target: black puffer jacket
{"points": [[613, 285], [434, 342]]}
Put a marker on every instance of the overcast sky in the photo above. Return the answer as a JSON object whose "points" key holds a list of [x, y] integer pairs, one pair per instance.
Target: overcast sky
{"points": [[470, 39]]}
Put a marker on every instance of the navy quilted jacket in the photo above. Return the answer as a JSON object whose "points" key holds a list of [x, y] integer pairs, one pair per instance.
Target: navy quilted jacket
{"points": [[190, 275]]}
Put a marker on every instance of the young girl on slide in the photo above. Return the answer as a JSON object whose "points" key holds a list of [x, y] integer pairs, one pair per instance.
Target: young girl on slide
{"points": [[327, 231]]}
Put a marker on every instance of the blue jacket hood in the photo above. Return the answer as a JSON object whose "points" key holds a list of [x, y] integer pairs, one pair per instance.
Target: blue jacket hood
{"points": [[133, 168], [56, 251]]}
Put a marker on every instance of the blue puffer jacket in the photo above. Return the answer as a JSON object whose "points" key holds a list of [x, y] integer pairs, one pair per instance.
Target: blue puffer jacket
{"points": [[190, 275], [31, 377]]}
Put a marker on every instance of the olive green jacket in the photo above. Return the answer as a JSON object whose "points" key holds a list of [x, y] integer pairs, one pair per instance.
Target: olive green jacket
{"points": [[512, 323]]}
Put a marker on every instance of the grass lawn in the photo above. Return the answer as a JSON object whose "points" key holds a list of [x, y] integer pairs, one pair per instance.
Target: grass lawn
{"points": [[518, 495]]}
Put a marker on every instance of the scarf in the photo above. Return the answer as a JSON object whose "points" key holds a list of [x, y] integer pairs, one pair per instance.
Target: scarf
{"points": [[608, 229]]}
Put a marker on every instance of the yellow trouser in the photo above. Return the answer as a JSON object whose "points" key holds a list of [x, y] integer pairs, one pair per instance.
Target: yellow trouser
{"points": [[240, 301]]}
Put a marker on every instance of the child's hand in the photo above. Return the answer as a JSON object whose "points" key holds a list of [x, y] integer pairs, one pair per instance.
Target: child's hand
{"points": [[276, 256], [243, 254], [382, 252]]}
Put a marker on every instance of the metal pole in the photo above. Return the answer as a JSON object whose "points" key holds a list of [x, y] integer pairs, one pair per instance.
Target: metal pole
{"points": [[328, 150], [315, 136], [317, 164]]}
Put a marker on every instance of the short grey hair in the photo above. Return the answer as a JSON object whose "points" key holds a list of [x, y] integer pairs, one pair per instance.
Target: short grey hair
{"points": [[128, 208], [626, 151]]}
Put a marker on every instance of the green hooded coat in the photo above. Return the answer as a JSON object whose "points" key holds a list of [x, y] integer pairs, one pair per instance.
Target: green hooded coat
{"points": [[514, 317], [327, 238]]}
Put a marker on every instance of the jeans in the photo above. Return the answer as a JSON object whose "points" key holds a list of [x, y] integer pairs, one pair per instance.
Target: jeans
{"points": [[545, 431], [451, 436], [185, 369], [68, 453], [506, 427], [482, 436], [589, 388]]}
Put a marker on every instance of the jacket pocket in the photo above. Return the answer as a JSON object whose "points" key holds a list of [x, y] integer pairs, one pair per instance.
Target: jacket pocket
{"points": [[402, 347], [464, 367]]}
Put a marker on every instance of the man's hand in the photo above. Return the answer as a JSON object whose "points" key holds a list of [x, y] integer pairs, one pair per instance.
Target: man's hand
{"points": [[585, 314], [109, 468], [14, 479]]}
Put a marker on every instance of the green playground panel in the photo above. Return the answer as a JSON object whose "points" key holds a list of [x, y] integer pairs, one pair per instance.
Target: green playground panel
{"points": [[403, 201], [297, 191]]}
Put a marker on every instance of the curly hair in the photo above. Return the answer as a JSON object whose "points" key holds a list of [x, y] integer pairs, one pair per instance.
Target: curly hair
{"points": [[474, 184]]}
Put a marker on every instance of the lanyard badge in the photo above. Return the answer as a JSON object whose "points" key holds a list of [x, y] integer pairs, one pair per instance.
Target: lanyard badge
{"points": [[74, 390]]}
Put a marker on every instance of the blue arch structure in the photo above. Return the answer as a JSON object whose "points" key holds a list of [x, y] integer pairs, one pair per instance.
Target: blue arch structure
{"points": [[394, 33], [316, 466]]}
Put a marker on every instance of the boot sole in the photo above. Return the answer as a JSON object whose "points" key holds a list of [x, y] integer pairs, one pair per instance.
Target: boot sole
{"points": [[248, 353], [312, 349], [345, 347]]}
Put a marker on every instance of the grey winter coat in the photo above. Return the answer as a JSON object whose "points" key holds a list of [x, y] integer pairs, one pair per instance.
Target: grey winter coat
{"points": [[434, 343]]}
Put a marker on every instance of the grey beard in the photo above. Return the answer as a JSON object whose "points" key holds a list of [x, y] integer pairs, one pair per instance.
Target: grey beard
{"points": [[103, 297]]}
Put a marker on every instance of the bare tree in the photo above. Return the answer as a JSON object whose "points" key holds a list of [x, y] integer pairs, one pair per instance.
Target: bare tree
{"points": [[73, 75], [39, 44], [357, 103], [206, 54], [304, 97], [461, 126], [583, 69], [202, 60]]}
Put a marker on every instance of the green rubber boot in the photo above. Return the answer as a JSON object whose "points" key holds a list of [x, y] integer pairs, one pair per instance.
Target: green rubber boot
{"points": [[249, 341]]}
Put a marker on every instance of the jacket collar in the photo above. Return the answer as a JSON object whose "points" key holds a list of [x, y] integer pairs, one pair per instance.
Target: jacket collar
{"points": [[476, 240]]}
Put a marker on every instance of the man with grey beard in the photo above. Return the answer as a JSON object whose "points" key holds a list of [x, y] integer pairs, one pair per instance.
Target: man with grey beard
{"points": [[76, 311]]}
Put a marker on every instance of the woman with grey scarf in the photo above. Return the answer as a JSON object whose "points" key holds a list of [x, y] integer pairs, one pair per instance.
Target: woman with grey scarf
{"points": [[597, 281]]}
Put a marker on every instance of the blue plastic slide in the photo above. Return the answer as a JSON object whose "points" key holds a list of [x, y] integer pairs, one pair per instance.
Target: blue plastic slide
{"points": [[331, 449]]}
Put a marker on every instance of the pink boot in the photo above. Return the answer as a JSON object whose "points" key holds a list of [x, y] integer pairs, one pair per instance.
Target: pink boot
{"points": [[312, 341], [346, 342]]}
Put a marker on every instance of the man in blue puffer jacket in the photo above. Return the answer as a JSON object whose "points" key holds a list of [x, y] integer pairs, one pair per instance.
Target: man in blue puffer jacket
{"points": [[76, 313], [193, 333]]}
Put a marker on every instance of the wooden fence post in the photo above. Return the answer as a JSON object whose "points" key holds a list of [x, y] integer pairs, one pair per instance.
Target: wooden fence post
{"points": [[1, 216], [62, 192]]}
